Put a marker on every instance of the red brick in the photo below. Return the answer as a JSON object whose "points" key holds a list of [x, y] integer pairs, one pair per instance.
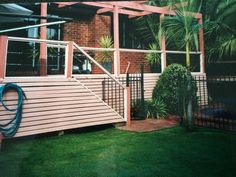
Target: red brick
{"points": [[88, 32]]}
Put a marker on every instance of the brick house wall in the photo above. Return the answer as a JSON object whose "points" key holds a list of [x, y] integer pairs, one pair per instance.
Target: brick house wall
{"points": [[87, 32]]}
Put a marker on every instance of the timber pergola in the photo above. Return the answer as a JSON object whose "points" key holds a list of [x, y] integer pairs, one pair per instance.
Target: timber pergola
{"points": [[133, 9]]}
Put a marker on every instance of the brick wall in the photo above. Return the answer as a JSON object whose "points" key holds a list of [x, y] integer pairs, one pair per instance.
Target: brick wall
{"points": [[135, 59], [87, 32], [80, 31]]}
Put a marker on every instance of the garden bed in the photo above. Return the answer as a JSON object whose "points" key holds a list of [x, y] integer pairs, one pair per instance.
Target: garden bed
{"points": [[149, 125]]}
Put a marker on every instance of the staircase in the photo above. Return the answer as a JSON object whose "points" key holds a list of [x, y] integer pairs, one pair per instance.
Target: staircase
{"points": [[57, 103]]}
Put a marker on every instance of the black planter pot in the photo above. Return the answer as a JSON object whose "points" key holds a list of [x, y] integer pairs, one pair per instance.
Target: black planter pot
{"points": [[107, 65], [155, 68]]}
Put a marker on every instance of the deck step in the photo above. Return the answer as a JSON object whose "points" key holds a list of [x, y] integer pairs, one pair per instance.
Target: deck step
{"points": [[56, 104]]}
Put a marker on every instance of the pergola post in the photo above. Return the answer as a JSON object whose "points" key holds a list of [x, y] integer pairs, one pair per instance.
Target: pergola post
{"points": [[43, 46], [116, 41], [69, 60], [3, 56], [163, 47], [201, 45]]}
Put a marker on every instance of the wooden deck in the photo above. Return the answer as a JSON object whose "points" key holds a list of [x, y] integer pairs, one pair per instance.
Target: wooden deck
{"points": [[56, 104], [94, 82]]}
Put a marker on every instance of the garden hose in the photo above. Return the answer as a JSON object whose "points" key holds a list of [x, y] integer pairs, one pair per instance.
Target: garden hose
{"points": [[9, 128]]}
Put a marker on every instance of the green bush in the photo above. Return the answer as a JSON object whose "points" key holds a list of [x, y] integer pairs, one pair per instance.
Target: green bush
{"points": [[171, 88], [155, 109], [152, 109]]}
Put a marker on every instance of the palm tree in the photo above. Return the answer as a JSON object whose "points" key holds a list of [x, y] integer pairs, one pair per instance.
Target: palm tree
{"points": [[183, 28], [220, 28]]}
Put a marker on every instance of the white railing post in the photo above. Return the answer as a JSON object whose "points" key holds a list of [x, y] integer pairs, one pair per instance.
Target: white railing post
{"points": [[127, 117], [163, 47], [3, 57], [201, 64], [163, 61]]}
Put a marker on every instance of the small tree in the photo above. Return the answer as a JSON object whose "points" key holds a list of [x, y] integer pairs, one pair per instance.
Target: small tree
{"points": [[172, 89], [182, 28]]}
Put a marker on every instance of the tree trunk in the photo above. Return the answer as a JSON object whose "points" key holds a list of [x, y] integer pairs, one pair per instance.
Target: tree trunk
{"points": [[189, 106], [188, 55]]}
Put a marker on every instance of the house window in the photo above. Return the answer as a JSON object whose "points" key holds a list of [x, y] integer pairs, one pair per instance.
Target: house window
{"points": [[127, 36]]}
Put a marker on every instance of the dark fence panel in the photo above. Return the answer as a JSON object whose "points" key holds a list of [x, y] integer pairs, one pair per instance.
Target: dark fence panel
{"points": [[217, 103], [112, 93]]}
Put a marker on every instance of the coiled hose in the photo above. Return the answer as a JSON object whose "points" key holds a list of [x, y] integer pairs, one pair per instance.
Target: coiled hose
{"points": [[9, 128]]}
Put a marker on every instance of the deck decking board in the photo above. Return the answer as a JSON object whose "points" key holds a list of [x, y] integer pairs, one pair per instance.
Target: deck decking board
{"points": [[59, 104]]}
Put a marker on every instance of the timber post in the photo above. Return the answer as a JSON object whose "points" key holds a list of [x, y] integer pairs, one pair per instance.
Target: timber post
{"points": [[43, 45], [3, 57], [127, 107], [1, 139], [69, 60]]}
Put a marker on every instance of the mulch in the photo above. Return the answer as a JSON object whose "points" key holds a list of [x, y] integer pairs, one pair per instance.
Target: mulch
{"points": [[149, 125]]}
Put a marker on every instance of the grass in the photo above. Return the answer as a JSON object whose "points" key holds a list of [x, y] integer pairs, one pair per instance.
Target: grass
{"points": [[114, 153]]}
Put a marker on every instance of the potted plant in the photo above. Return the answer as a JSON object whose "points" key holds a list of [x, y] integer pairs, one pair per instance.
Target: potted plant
{"points": [[106, 58], [154, 58]]}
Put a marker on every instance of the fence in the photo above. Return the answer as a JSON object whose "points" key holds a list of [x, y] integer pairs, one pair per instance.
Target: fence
{"points": [[217, 103], [112, 94]]}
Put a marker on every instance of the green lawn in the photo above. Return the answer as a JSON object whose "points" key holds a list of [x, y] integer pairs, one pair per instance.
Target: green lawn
{"points": [[111, 152]]}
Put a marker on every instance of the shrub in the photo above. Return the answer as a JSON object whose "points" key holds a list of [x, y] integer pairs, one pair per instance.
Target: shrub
{"points": [[152, 109], [155, 109], [171, 88]]}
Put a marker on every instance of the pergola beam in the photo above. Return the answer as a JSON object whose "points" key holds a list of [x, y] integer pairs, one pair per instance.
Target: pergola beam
{"points": [[141, 14], [121, 11], [177, 5], [63, 4], [97, 4], [104, 10], [148, 8], [134, 9]]}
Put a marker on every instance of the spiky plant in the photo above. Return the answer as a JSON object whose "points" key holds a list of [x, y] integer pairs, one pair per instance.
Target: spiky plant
{"points": [[106, 42], [152, 57]]}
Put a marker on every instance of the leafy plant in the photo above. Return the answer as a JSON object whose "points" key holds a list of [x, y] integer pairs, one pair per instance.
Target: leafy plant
{"points": [[219, 26], [172, 89], [155, 109], [151, 109], [152, 57], [106, 42], [182, 28]]}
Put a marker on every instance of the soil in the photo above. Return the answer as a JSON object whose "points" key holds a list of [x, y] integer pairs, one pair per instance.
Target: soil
{"points": [[149, 125]]}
